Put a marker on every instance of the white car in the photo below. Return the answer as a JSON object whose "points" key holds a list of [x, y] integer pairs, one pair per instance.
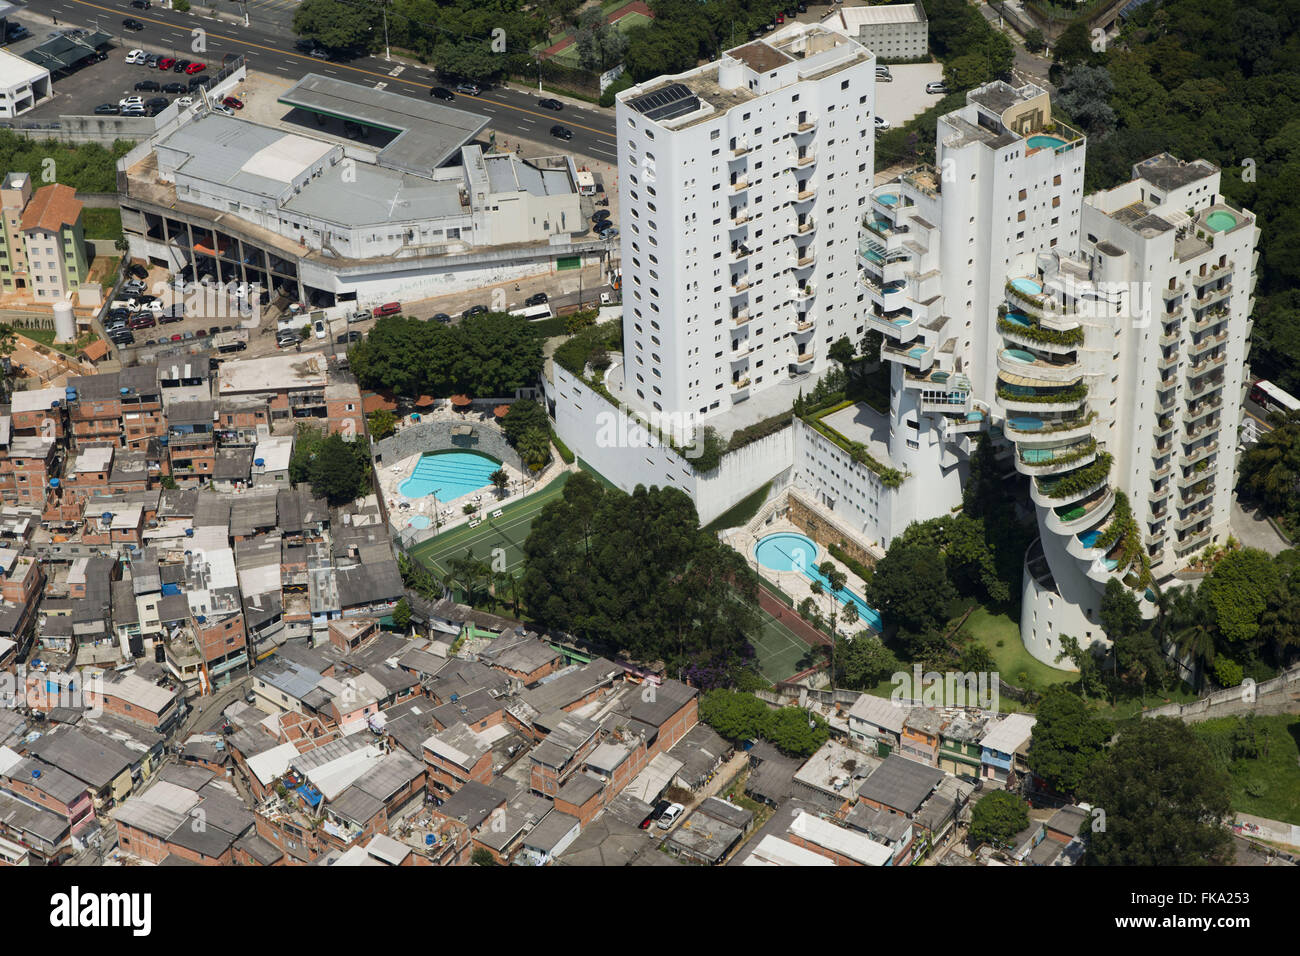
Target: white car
{"points": [[131, 101], [670, 816], [882, 123], [136, 56], [223, 109], [321, 330]]}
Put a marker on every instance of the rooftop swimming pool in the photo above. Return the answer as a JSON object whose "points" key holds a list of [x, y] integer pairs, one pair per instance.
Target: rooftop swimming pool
{"points": [[1016, 318], [788, 551], [1025, 423], [1027, 286], [419, 521], [1042, 141], [1089, 538], [887, 199], [1220, 221], [1019, 355], [449, 474]]}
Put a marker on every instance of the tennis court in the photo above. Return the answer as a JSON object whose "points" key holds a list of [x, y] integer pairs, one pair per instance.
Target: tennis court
{"points": [[778, 648], [507, 533]]}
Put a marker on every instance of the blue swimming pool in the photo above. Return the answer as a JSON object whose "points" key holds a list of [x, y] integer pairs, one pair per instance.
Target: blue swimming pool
{"points": [[788, 551], [1027, 286], [419, 521], [1045, 142], [1019, 355], [1015, 318], [1089, 538], [887, 199], [1025, 423], [449, 475]]}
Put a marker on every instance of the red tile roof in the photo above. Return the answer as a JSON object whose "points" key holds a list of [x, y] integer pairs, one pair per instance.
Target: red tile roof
{"points": [[51, 208]]}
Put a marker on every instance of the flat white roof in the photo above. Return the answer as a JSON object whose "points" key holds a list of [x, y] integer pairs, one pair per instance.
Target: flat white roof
{"points": [[96, 458], [272, 763], [1008, 734], [35, 399], [854, 17], [274, 373], [274, 452], [773, 851], [840, 840], [287, 158], [16, 70], [138, 692]]}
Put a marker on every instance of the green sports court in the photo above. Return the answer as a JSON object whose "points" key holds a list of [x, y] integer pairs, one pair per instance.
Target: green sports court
{"points": [[778, 648], [507, 533]]}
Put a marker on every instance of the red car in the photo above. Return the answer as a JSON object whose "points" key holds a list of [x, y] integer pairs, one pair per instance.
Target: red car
{"points": [[166, 63], [389, 308], [780, 19], [233, 102], [177, 337], [195, 68]]}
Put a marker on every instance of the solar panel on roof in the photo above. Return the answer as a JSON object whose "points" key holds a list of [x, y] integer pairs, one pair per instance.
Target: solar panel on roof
{"points": [[673, 100]]}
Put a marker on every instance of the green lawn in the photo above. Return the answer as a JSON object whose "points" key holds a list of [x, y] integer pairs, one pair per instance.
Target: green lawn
{"points": [[46, 337], [1015, 664], [1276, 777], [569, 55], [102, 223]]}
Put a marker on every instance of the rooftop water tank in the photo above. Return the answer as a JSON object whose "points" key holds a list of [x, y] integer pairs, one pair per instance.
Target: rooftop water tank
{"points": [[54, 482], [259, 462]]}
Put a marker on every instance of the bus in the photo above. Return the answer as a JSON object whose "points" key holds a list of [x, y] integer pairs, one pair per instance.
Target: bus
{"points": [[533, 312], [1272, 398]]}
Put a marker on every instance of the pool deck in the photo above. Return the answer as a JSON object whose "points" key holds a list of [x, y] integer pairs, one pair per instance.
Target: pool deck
{"points": [[401, 509], [794, 583]]}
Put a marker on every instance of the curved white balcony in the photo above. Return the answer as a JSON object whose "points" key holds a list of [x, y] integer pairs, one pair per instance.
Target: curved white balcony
{"points": [[1022, 362], [1089, 517], [1034, 428], [1042, 499], [1048, 461], [903, 328]]}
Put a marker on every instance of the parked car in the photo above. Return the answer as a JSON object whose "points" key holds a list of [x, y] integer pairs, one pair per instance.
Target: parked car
{"points": [[196, 67], [166, 63], [349, 337], [469, 89], [200, 82], [107, 109], [936, 88], [222, 109], [133, 287], [361, 315], [780, 19], [148, 86], [474, 310], [180, 65], [670, 816], [320, 328], [600, 215], [152, 59], [442, 317], [561, 132], [136, 56], [234, 102], [550, 104], [537, 298], [137, 271], [135, 26], [157, 102], [320, 54], [655, 814], [882, 123], [187, 336], [173, 88], [130, 101], [135, 110], [142, 322], [116, 315], [140, 4], [388, 308], [607, 232], [168, 318], [122, 338], [442, 93]]}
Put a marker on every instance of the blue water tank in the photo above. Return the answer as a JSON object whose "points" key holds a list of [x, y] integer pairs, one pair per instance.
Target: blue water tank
{"points": [[189, 533], [70, 394], [259, 462], [455, 697], [162, 439], [36, 772], [54, 482], [124, 391], [201, 618], [107, 517], [429, 838]]}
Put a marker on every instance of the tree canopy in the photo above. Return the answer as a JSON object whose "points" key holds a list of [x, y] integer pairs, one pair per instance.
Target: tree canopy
{"points": [[998, 817], [635, 572], [337, 470], [487, 355], [1163, 797], [1066, 741]]}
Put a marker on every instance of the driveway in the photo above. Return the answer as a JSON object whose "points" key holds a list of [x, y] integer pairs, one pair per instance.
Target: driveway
{"points": [[1253, 530]]}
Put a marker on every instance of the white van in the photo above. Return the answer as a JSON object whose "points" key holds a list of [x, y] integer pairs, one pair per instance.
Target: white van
{"points": [[670, 816]]}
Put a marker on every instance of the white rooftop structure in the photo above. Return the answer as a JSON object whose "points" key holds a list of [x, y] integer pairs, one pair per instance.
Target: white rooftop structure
{"points": [[272, 763], [95, 458], [36, 399], [773, 851], [1010, 733], [272, 374], [846, 842]]}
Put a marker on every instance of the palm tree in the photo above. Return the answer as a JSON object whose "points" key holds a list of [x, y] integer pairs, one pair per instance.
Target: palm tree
{"points": [[1189, 627]]}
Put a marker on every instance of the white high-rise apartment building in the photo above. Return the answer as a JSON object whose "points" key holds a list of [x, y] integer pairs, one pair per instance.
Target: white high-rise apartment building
{"points": [[935, 244], [742, 184], [1142, 338]]}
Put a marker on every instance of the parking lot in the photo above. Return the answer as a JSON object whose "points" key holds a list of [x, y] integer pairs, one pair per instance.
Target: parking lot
{"points": [[905, 97], [107, 81]]}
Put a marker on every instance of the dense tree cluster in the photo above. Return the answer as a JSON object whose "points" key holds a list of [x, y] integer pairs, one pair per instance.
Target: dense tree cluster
{"points": [[484, 355], [1268, 474], [337, 470], [636, 573], [997, 818], [740, 717]]}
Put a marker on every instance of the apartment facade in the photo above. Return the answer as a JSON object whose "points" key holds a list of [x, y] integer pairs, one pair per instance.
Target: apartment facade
{"points": [[42, 245], [741, 194]]}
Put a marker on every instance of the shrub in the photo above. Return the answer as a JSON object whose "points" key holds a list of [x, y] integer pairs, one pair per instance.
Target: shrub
{"points": [[1078, 481]]}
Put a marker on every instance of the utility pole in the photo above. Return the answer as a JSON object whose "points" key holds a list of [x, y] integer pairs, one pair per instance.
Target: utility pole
{"points": [[386, 53]]}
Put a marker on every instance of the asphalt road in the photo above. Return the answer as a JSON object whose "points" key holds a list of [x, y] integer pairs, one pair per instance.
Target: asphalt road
{"points": [[268, 46]]}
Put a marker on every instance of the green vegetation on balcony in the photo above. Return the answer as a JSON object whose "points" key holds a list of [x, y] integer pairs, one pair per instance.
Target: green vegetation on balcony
{"points": [[1124, 537], [889, 477], [1036, 333], [1072, 393], [1077, 482], [1065, 424], [1074, 453]]}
